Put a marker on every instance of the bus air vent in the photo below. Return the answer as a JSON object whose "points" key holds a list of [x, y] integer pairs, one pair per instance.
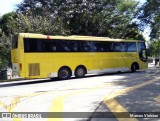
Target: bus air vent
{"points": [[34, 69]]}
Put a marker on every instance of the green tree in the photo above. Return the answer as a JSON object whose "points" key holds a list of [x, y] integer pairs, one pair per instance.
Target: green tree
{"points": [[28, 22], [112, 18], [6, 31], [153, 48], [7, 23], [5, 54], [149, 15]]}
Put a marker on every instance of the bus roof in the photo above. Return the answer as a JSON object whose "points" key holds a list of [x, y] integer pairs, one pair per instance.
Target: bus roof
{"points": [[72, 37]]}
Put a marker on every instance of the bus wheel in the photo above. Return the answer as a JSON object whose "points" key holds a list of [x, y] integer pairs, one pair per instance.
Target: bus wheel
{"points": [[133, 68], [64, 73], [80, 72]]}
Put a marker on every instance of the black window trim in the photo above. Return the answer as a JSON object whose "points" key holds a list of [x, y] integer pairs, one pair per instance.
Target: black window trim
{"points": [[59, 46]]}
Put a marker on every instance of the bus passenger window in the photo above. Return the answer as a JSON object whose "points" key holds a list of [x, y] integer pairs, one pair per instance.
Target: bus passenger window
{"points": [[49, 45], [85, 48], [94, 49], [101, 49], [92, 46], [30, 45], [122, 46], [66, 49], [54, 48], [69, 46], [75, 49], [99, 46], [131, 47], [116, 47], [108, 46], [74, 45]]}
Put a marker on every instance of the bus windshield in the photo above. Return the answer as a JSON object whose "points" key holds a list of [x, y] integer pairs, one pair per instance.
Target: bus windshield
{"points": [[142, 51]]}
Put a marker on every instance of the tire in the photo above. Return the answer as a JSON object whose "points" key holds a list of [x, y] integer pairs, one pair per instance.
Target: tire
{"points": [[80, 72], [64, 73], [133, 68]]}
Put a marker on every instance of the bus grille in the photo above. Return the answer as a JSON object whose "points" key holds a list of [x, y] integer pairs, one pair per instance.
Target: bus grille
{"points": [[34, 69]]}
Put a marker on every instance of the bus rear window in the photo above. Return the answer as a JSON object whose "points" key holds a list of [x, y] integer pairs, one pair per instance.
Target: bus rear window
{"points": [[14, 41]]}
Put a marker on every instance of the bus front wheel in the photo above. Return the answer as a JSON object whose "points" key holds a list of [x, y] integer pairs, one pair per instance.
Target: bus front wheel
{"points": [[80, 72], [64, 73], [133, 68]]}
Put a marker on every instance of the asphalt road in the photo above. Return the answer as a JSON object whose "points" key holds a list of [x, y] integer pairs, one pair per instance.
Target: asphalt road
{"points": [[107, 97]]}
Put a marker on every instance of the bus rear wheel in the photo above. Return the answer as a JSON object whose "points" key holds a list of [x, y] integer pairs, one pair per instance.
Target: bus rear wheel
{"points": [[64, 73], [80, 72], [133, 68]]}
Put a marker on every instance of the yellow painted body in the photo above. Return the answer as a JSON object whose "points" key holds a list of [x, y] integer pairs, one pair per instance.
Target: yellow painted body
{"points": [[52, 62]]}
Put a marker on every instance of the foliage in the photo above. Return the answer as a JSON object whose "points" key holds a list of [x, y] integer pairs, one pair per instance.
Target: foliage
{"points": [[155, 33], [7, 23], [28, 23], [154, 48], [5, 55], [150, 15], [110, 18]]}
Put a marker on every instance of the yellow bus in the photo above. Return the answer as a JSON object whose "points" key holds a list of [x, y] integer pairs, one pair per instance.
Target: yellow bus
{"points": [[43, 56]]}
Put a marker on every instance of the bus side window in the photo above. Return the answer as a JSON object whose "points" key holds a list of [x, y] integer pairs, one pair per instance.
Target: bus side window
{"points": [[39, 45], [26, 45], [46, 46], [75, 49], [101, 49], [122, 46], [108, 46], [66, 49], [49, 45], [69, 45], [74, 45], [131, 47], [84, 46], [54, 48], [30, 45], [92, 46], [100, 46], [119, 46], [116, 46], [64, 46]]}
